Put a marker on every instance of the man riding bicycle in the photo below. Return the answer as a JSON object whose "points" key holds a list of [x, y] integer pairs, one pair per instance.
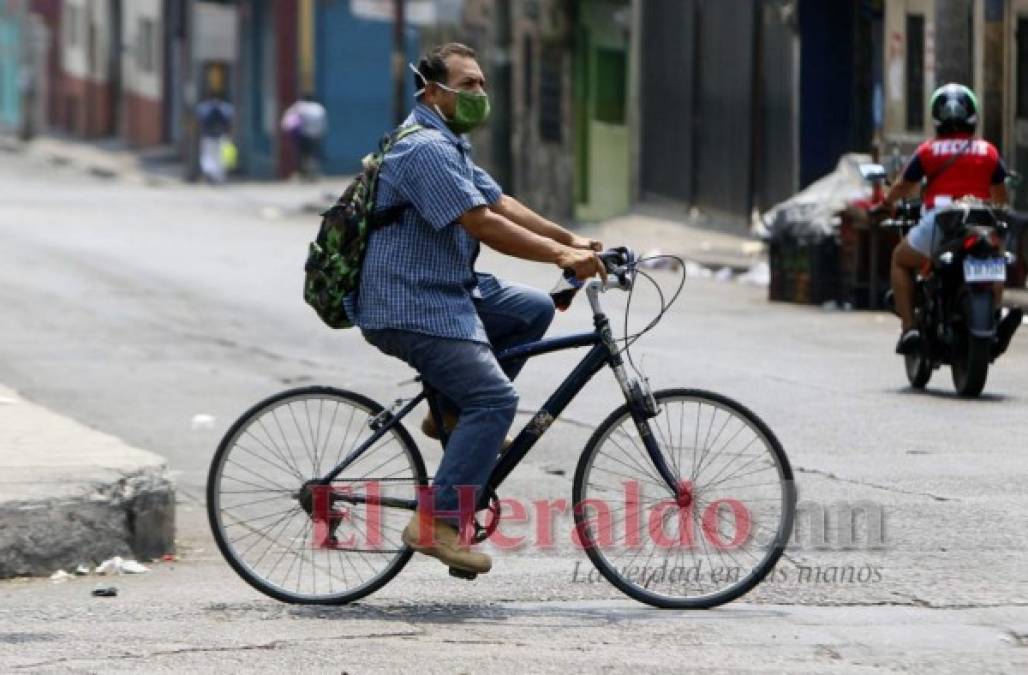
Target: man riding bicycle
{"points": [[420, 299], [953, 165]]}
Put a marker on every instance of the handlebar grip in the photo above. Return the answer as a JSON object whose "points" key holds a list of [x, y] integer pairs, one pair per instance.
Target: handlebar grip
{"points": [[615, 258]]}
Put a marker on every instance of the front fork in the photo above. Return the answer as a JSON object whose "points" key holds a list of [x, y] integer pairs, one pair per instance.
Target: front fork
{"points": [[643, 407]]}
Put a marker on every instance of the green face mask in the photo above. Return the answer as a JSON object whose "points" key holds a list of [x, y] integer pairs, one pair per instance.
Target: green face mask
{"points": [[472, 111]]}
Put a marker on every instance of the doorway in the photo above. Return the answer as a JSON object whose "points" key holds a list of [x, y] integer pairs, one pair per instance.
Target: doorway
{"points": [[602, 154]]}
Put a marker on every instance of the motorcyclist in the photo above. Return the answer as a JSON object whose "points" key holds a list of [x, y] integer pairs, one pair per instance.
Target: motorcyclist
{"points": [[952, 165]]}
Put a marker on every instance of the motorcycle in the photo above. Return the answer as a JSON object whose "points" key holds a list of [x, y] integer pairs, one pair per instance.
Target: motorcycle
{"points": [[955, 304]]}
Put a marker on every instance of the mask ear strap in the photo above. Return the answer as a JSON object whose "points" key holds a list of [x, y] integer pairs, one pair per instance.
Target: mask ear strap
{"points": [[424, 82]]}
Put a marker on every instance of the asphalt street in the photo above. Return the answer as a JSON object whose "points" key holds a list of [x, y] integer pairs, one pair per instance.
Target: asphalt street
{"points": [[135, 309]]}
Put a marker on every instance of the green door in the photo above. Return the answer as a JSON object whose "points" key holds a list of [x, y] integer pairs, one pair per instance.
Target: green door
{"points": [[602, 149]]}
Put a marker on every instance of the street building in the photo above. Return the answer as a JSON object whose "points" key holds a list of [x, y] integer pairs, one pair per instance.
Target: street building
{"points": [[598, 105], [90, 81], [142, 73], [354, 77], [983, 43], [44, 66], [265, 83], [688, 103]]}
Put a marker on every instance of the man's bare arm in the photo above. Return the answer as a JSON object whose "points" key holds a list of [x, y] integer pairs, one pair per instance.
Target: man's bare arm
{"points": [[497, 232], [519, 214], [998, 194], [898, 191]]}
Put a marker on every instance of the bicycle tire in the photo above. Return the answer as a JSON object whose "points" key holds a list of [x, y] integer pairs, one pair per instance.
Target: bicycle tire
{"points": [[776, 546], [216, 474]]}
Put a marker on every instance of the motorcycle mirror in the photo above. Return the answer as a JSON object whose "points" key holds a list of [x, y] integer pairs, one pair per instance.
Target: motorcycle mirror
{"points": [[873, 173]]}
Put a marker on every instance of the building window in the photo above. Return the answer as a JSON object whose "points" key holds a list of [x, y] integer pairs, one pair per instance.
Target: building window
{"points": [[146, 46], [915, 72], [551, 94]]}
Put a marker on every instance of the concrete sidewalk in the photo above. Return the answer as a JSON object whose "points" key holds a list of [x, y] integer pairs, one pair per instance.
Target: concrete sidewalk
{"points": [[692, 238], [104, 158], [154, 166], [71, 495]]}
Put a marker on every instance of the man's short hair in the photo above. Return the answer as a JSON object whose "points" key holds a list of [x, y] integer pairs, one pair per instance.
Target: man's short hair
{"points": [[432, 67]]}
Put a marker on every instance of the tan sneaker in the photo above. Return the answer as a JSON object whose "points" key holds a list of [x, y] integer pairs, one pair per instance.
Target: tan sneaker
{"points": [[443, 543], [450, 422]]}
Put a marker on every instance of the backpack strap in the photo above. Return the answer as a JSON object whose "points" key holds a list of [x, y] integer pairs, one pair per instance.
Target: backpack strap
{"points": [[404, 132], [392, 214], [397, 135]]}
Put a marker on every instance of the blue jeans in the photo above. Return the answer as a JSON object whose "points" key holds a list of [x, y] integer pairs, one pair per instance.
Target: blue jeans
{"points": [[472, 382]]}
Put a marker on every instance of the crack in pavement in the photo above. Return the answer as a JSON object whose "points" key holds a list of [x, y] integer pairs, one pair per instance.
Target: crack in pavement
{"points": [[275, 644], [500, 643], [233, 345], [887, 488]]}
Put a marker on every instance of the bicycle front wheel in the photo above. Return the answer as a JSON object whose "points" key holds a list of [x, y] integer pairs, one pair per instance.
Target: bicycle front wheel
{"points": [[324, 545], [705, 549]]}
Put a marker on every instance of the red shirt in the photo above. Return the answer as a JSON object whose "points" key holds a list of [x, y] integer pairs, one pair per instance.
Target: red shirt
{"points": [[977, 168]]}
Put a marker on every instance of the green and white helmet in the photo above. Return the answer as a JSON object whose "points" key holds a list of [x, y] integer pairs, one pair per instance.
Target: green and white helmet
{"points": [[954, 109]]}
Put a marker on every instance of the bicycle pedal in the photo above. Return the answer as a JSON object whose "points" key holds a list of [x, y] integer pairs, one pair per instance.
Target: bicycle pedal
{"points": [[462, 574]]}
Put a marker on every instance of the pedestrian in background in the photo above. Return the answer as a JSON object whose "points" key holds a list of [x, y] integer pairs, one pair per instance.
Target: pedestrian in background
{"points": [[306, 122], [214, 115]]}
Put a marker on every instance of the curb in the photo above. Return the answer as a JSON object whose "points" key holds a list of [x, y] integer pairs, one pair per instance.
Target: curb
{"points": [[133, 518], [71, 495]]}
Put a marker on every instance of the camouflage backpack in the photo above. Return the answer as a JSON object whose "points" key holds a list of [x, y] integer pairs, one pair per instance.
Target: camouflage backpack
{"points": [[335, 257]]}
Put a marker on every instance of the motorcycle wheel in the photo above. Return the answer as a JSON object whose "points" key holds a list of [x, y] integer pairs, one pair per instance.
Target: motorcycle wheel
{"points": [[919, 364], [919, 368], [970, 364]]}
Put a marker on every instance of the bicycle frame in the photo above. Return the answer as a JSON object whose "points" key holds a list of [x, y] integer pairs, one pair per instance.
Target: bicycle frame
{"points": [[604, 351]]}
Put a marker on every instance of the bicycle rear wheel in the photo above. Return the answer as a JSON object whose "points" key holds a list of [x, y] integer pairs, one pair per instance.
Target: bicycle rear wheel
{"points": [[281, 538], [706, 551]]}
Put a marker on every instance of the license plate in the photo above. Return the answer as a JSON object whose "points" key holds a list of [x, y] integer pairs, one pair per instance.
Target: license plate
{"points": [[994, 269]]}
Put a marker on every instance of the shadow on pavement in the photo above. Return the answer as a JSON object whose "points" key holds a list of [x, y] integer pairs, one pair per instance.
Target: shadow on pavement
{"points": [[568, 614], [984, 397]]}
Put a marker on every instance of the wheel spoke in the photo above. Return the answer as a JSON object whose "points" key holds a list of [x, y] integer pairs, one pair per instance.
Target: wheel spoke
{"points": [[717, 544], [267, 460]]}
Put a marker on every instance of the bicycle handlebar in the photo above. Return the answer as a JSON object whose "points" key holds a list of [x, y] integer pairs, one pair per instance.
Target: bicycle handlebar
{"points": [[619, 261]]}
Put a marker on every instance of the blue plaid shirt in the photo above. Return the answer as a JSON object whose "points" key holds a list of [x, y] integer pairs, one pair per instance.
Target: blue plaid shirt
{"points": [[418, 272]]}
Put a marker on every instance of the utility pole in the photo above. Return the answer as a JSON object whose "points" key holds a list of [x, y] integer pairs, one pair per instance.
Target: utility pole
{"points": [[399, 57], [954, 57], [190, 143]]}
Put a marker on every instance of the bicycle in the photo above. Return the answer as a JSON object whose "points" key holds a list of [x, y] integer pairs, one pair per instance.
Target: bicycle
{"points": [[733, 494]]}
